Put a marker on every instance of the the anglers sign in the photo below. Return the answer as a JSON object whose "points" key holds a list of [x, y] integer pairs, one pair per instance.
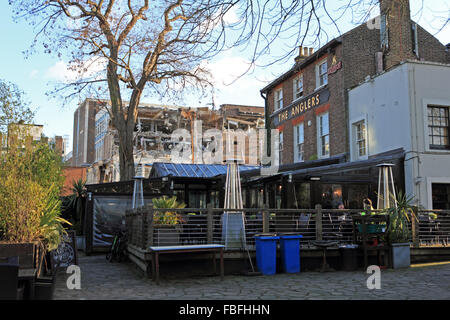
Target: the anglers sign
{"points": [[299, 107]]}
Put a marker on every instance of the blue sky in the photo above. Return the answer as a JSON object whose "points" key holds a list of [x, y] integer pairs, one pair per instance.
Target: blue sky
{"points": [[34, 75]]}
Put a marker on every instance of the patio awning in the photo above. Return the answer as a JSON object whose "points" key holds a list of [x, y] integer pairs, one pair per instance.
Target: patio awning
{"points": [[189, 170]]}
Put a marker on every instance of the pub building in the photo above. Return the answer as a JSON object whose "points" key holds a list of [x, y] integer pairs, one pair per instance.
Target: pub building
{"points": [[308, 104]]}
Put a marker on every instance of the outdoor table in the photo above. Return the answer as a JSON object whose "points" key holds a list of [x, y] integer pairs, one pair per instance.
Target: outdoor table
{"points": [[207, 248], [28, 275]]}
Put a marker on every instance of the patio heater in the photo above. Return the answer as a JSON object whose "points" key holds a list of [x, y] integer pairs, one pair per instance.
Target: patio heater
{"points": [[233, 226], [386, 196], [138, 190]]}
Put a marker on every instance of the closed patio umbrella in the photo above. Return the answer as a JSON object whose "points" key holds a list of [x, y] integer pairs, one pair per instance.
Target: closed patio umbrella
{"points": [[233, 226]]}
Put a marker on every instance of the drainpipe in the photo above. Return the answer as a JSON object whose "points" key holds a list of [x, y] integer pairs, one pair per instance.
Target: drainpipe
{"points": [[414, 117], [266, 119]]}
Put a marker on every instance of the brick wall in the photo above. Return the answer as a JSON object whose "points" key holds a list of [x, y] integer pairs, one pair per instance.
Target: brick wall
{"points": [[357, 54]]}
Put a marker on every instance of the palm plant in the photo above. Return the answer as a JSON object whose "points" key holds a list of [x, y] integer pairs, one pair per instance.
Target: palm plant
{"points": [[167, 217], [399, 218], [51, 224], [77, 202]]}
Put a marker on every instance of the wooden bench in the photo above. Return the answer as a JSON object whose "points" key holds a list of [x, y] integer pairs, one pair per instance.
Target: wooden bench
{"points": [[205, 248]]}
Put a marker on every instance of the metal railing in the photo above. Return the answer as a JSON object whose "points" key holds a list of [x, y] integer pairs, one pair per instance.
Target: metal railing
{"points": [[202, 226]]}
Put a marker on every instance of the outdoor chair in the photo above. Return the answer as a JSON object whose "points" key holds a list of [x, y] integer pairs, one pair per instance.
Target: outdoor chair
{"points": [[9, 279], [303, 222]]}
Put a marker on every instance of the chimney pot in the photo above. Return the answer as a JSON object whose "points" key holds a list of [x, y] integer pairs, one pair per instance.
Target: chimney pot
{"points": [[305, 53], [300, 50], [311, 51]]}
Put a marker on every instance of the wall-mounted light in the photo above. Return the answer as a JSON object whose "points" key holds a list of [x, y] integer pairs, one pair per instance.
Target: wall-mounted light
{"points": [[314, 178]]}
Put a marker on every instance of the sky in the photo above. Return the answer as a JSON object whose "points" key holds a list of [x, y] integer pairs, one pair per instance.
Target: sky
{"points": [[36, 74]]}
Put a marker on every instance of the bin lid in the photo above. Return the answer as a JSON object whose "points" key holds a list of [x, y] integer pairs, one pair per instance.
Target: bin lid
{"points": [[262, 237], [266, 234], [291, 236]]}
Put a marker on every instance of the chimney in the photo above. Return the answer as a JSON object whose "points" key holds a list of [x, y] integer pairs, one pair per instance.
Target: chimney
{"points": [[304, 52], [399, 31]]}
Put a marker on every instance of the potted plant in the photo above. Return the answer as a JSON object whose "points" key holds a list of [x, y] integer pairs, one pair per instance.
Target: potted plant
{"points": [[167, 223], [398, 232]]}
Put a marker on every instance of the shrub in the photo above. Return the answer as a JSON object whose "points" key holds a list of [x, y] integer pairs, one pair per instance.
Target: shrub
{"points": [[31, 180]]}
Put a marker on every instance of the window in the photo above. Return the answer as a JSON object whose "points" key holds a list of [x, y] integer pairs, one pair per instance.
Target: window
{"points": [[438, 127], [323, 143], [441, 196], [278, 96], [280, 146], [322, 74], [299, 142], [359, 138], [298, 87]]}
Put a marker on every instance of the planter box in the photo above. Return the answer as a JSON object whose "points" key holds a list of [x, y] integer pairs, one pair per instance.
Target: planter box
{"points": [[166, 235], [26, 252], [401, 255]]}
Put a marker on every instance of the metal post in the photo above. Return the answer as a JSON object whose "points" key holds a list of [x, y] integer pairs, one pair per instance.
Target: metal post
{"points": [[413, 227], [319, 233], [209, 217], [265, 219], [150, 221]]}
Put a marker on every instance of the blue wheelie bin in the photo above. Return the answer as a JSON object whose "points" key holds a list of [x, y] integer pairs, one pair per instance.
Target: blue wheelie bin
{"points": [[266, 253], [290, 252]]}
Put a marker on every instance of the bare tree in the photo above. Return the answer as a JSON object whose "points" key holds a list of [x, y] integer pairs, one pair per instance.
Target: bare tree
{"points": [[122, 47], [13, 106]]}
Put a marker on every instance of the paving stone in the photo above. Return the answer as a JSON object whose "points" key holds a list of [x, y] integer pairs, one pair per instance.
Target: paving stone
{"points": [[103, 280]]}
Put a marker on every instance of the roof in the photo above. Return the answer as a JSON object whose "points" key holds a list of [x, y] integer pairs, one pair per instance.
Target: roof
{"points": [[189, 170], [302, 64]]}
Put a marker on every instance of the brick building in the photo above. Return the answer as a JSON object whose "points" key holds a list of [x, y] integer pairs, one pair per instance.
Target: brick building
{"points": [[308, 103], [83, 151]]}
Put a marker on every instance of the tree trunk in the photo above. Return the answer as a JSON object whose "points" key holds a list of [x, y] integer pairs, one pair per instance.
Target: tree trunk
{"points": [[126, 158]]}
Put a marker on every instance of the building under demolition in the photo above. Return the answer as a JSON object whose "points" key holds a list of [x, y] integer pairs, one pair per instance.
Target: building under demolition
{"points": [[162, 131]]}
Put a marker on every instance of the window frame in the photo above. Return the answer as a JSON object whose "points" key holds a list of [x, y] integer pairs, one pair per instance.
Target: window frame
{"points": [[295, 87], [321, 136], [280, 146], [357, 140], [299, 146], [278, 99], [429, 132], [319, 74]]}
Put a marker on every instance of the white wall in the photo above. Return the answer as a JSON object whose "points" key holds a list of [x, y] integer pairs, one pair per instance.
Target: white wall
{"points": [[394, 106], [383, 103]]}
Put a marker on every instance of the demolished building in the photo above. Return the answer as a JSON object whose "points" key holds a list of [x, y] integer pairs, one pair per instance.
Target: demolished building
{"points": [[157, 136]]}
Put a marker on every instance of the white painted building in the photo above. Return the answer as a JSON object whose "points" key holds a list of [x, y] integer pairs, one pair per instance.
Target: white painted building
{"points": [[407, 107]]}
